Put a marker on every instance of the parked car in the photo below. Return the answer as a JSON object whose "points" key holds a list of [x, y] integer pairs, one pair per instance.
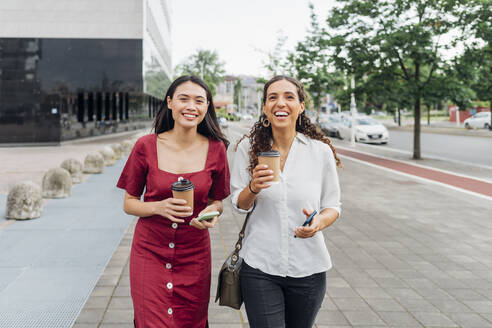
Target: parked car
{"points": [[236, 116], [478, 121], [223, 122], [329, 125], [367, 130], [247, 117], [378, 113]]}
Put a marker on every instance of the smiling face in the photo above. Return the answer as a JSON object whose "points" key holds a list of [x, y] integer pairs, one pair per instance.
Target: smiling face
{"points": [[282, 105], [188, 105]]}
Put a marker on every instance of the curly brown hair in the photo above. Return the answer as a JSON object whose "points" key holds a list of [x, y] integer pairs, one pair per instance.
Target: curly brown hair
{"points": [[260, 137]]}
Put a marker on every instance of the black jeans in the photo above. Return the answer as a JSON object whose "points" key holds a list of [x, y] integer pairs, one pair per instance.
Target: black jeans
{"points": [[281, 302]]}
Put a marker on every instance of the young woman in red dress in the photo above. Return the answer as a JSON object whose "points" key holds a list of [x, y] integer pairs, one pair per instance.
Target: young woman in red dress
{"points": [[170, 258]]}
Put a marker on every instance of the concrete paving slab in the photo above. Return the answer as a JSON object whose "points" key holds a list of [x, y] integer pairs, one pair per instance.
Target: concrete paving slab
{"points": [[52, 263], [427, 248]]}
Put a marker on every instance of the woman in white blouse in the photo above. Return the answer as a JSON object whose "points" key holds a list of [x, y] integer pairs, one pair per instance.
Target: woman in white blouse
{"points": [[283, 277]]}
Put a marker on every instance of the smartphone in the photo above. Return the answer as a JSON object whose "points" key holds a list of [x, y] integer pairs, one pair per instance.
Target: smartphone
{"points": [[207, 216], [309, 219]]}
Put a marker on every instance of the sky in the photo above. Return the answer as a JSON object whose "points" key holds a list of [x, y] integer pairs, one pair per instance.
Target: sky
{"points": [[239, 30]]}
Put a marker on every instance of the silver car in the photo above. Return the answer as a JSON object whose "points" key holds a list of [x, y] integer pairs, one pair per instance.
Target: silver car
{"points": [[367, 130], [478, 121]]}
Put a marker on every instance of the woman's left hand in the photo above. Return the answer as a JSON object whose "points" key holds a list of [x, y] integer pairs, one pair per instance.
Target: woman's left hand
{"points": [[312, 229], [205, 224]]}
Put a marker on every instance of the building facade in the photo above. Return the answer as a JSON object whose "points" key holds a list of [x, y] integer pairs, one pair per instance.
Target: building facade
{"points": [[248, 97], [71, 69]]}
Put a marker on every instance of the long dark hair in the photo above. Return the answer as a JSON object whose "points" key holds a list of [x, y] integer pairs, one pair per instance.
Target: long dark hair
{"points": [[260, 137], [209, 127]]}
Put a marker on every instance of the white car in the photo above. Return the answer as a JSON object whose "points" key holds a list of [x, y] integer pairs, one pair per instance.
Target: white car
{"points": [[478, 121], [367, 130]]}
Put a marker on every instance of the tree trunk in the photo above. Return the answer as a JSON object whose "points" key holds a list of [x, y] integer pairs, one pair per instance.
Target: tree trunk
{"points": [[490, 109], [428, 115], [399, 116], [416, 129]]}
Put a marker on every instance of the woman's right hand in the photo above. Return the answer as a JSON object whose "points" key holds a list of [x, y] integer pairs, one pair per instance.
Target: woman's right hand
{"points": [[261, 176], [170, 208]]}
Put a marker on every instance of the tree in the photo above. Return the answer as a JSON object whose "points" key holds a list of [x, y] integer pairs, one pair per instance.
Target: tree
{"points": [[479, 19], [205, 64], [311, 62], [277, 60], [402, 40], [238, 87], [483, 83]]}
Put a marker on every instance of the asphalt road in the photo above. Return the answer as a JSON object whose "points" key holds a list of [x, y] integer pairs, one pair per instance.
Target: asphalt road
{"points": [[473, 150], [467, 149]]}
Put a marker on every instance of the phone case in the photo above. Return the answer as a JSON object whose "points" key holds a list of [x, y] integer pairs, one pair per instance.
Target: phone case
{"points": [[207, 216], [309, 219]]}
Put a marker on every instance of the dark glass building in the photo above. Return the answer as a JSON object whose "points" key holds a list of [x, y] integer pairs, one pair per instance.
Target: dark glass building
{"points": [[60, 88]]}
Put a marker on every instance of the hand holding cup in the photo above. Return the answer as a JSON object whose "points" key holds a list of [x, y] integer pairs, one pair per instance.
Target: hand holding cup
{"points": [[261, 176], [171, 208]]}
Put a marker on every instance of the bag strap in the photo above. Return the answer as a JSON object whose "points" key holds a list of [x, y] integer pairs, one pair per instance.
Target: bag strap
{"points": [[239, 243]]}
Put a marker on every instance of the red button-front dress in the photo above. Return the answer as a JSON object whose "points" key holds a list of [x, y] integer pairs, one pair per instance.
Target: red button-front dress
{"points": [[170, 263]]}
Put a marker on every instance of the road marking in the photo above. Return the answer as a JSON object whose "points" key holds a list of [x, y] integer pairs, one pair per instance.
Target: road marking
{"points": [[417, 178], [456, 181], [415, 164], [463, 184], [430, 156]]}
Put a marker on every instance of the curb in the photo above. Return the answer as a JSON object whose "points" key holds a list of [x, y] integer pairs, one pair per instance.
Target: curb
{"points": [[443, 130]]}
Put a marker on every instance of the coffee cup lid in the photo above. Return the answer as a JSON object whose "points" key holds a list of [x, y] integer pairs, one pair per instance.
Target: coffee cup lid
{"points": [[271, 153], [182, 185]]}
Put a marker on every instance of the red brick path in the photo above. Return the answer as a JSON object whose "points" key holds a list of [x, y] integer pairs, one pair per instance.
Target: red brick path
{"points": [[478, 186]]}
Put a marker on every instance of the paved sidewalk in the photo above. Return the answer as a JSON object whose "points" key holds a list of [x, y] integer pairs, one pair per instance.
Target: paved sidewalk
{"points": [[470, 184], [406, 253]]}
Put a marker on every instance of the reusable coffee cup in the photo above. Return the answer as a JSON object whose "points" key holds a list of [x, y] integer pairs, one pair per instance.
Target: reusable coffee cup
{"points": [[272, 159], [183, 189]]}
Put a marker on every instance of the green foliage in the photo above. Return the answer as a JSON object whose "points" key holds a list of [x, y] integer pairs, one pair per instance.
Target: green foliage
{"points": [[205, 64], [156, 80], [279, 60], [397, 44], [238, 99], [311, 63]]}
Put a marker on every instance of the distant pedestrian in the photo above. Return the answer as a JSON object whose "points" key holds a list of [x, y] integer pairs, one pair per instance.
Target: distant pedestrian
{"points": [[283, 277], [170, 261]]}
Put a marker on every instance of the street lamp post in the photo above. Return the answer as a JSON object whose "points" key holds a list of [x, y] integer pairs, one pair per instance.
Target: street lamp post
{"points": [[353, 112]]}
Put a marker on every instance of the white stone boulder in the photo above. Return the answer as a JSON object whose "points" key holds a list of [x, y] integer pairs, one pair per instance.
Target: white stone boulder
{"points": [[108, 155], [94, 163], [118, 151], [57, 183], [127, 146], [24, 201], [75, 168]]}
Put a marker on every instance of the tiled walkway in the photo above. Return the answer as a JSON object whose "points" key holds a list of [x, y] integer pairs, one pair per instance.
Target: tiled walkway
{"points": [[406, 254]]}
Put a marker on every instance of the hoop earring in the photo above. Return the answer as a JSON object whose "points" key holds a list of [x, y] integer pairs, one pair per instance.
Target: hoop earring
{"points": [[265, 122]]}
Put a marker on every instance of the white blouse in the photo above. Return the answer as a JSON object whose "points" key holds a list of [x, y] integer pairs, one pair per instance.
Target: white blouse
{"points": [[309, 180]]}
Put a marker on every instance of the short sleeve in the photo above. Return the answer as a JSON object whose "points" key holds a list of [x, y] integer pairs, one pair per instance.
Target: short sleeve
{"points": [[134, 175], [220, 175]]}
